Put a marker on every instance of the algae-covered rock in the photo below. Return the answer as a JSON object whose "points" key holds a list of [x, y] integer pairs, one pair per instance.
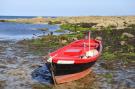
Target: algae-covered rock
{"points": [[43, 29], [125, 34]]}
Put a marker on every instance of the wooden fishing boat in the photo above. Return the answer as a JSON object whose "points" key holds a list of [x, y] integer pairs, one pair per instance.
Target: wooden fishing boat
{"points": [[73, 61]]}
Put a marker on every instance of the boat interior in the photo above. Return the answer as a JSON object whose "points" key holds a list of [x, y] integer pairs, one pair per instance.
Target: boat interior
{"points": [[80, 48]]}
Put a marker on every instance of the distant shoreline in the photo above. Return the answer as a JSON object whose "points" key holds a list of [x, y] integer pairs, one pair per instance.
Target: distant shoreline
{"points": [[102, 21]]}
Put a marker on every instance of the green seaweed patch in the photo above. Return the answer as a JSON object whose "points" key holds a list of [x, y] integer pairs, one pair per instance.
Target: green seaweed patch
{"points": [[128, 54], [77, 27], [108, 75], [41, 45], [108, 56], [53, 22], [41, 86], [37, 42], [128, 58]]}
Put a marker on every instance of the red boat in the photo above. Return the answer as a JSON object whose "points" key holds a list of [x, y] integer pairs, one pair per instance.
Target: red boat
{"points": [[73, 61]]}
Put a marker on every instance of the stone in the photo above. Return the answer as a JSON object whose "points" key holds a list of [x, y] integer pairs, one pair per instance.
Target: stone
{"points": [[3, 66], [2, 84], [21, 73], [34, 65], [43, 29], [98, 38], [127, 35], [75, 38], [122, 43], [64, 41]]}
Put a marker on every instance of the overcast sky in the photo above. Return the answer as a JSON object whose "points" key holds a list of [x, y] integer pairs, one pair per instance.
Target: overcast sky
{"points": [[67, 7]]}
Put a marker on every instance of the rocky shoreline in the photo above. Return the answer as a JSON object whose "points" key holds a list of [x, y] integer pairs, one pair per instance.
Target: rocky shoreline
{"points": [[101, 21]]}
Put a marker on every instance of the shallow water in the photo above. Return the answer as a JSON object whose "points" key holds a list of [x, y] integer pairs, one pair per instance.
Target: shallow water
{"points": [[19, 67], [19, 31]]}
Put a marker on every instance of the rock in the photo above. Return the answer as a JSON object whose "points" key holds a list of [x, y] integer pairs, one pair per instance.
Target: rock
{"points": [[78, 31], [127, 35], [12, 60], [122, 43], [63, 41], [21, 73], [1, 49], [34, 65], [98, 38], [43, 29], [108, 65], [51, 33], [2, 84], [25, 61], [2, 20], [3, 66], [75, 38]]}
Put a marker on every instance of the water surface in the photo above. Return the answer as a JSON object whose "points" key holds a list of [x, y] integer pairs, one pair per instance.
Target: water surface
{"points": [[19, 31]]}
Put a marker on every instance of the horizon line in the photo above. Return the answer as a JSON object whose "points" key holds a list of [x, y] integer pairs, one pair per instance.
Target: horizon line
{"points": [[68, 16]]}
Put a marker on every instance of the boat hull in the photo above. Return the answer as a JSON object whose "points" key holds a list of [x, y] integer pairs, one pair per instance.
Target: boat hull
{"points": [[71, 77], [70, 72], [65, 69]]}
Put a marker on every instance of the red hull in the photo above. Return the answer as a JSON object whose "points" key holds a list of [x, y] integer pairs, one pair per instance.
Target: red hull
{"points": [[71, 77]]}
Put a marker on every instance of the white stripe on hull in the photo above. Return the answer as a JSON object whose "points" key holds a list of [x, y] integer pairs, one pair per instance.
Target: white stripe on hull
{"points": [[65, 62]]}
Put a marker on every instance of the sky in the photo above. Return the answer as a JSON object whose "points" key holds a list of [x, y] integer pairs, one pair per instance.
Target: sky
{"points": [[67, 7]]}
